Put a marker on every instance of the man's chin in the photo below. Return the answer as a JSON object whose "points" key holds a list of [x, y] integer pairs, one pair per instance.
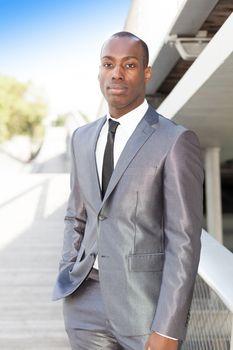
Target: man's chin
{"points": [[117, 101]]}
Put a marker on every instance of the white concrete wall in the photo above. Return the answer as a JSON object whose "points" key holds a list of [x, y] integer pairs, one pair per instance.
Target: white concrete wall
{"points": [[151, 21]]}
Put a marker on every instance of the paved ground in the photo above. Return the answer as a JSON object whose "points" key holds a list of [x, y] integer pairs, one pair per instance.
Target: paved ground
{"points": [[31, 216]]}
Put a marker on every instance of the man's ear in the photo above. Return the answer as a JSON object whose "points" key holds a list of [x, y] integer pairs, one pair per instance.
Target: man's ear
{"points": [[148, 74]]}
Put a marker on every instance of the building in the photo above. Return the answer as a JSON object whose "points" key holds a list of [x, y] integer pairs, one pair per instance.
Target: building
{"points": [[191, 54]]}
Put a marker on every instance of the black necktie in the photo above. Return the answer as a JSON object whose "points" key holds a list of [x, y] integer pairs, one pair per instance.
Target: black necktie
{"points": [[108, 161]]}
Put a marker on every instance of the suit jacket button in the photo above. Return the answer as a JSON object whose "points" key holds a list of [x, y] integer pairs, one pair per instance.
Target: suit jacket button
{"points": [[101, 217]]}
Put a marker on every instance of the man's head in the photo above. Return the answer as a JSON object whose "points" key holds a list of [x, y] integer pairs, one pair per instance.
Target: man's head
{"points": [[124, 72]]}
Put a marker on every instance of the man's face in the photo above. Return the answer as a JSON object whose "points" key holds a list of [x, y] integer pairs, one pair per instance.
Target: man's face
{"points": [[122, 75]]}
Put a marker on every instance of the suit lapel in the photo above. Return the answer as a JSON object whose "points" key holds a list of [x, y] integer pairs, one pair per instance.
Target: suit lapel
{"points": [[143, 131], [95, 184]]}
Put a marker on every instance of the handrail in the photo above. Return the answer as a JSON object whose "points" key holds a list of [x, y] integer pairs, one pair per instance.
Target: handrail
{"points": [[216, 268], [211, 323]]}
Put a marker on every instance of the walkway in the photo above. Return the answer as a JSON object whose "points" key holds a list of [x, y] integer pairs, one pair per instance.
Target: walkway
{"points": [[31, 214]]}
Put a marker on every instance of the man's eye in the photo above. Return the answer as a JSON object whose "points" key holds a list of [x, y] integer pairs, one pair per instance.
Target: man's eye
{"points": [[130, 65], [107, 65]]}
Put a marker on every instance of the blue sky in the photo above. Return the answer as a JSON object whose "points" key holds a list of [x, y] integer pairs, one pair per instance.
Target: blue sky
{"points": [[56, 44]]}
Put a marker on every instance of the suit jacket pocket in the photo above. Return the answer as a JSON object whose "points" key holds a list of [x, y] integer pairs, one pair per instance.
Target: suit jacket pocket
{"points": [[81, 253], [138, 172], [146, 262], [70, 263]]}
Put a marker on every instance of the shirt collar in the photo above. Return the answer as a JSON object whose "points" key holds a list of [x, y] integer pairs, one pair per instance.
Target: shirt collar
{"points": [[132, 118]]}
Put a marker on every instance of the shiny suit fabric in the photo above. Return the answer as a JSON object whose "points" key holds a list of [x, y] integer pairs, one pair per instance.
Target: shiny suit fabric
{"points": [[146, 230]]}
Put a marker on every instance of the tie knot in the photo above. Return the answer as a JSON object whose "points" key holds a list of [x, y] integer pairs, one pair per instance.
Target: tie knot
{"points": [[112, 125]]}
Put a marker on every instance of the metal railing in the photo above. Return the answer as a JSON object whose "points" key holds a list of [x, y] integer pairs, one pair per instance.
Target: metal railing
{"points": [[211, 321]]}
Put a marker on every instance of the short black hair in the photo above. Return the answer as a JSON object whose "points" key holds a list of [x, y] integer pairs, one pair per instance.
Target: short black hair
{"points": [[135, 37]]}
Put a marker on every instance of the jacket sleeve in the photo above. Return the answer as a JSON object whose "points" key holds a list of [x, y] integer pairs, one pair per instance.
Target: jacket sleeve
{"points": [[183, 187], [75, 217]]}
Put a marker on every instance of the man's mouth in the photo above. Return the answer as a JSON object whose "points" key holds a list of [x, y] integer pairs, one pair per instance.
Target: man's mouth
{"points": [[117, 89]]}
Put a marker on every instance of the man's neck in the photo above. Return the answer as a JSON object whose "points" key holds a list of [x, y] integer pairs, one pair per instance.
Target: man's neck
{"points": [[116, 113]]}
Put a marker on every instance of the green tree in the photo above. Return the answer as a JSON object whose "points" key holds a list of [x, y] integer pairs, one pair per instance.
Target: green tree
{"points": [[21, 110]]}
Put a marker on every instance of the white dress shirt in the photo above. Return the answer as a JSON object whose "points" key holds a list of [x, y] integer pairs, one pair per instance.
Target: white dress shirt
{"points": [[128, 124]]}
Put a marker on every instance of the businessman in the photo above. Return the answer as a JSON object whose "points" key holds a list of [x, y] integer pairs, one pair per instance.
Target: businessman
{"points": [[133, 222]]}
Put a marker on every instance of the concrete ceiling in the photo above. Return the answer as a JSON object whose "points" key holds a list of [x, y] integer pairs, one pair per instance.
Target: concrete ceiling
{"points": [[188, 22], [209, 112], [202, 100]]}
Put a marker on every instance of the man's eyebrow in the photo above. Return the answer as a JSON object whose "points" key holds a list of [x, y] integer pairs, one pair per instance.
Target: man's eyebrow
{"points": [[130, 57], [108, 57], [124, 58]]}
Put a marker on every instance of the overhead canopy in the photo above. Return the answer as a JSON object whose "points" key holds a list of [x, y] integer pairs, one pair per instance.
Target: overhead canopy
{"points": [[203, 98], [188, 22]]}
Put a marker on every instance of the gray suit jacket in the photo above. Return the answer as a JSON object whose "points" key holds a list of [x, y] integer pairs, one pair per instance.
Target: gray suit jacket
{"points": [[146, 229]]}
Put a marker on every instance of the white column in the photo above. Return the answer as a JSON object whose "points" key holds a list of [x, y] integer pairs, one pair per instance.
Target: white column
{"points": [[231, 347], [213, 192]]}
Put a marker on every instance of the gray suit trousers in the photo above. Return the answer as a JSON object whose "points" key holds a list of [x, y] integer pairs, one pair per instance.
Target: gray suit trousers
{"points": [[87, 325]]}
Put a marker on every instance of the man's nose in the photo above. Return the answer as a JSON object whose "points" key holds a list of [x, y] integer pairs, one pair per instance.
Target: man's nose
{"points": [[118, 73]]}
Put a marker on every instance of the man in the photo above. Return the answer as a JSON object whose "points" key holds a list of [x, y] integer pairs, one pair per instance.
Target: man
{"points": [[141, 222]]}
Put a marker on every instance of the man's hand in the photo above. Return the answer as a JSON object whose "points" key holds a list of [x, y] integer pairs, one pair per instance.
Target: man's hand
{"points": [[158, 342]]}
